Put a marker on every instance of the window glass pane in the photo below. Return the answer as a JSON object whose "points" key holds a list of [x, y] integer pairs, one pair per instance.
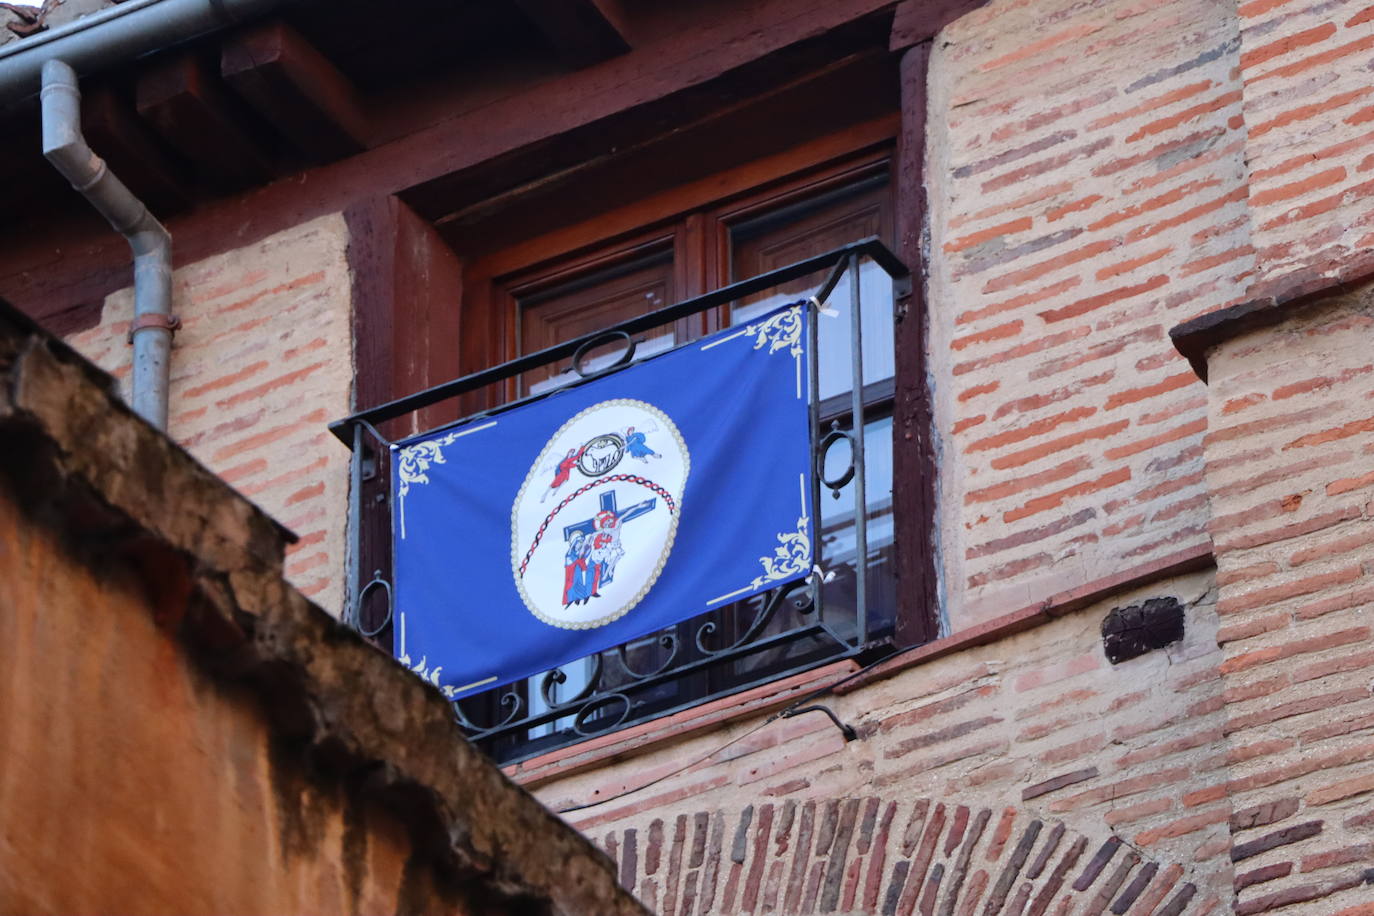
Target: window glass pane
{"points": [[799, 231]]}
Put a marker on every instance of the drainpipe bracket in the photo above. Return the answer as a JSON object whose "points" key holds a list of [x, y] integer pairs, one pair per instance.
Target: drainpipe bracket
{"points": [[169, 323]]}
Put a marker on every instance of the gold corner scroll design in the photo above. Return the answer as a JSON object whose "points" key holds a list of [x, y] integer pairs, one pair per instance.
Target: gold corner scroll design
{"points": [[780, 331], [791, 556], [413, 463], [430, 674]]}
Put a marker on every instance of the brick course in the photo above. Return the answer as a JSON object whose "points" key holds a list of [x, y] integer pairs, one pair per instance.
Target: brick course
{"points": [[263, 361], [1063, 398], [1292, 551]]}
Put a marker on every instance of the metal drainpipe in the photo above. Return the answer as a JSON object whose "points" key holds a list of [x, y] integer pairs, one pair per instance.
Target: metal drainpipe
{"points": [[153, 324]]}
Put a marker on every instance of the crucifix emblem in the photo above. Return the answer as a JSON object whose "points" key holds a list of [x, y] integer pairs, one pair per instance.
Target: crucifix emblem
{"points": [[588, 526]]}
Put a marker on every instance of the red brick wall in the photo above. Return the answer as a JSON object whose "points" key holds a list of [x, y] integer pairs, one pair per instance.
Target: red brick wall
{"points": [[263, 362], [1289, 458], [1039, 725], [1089, 192], [1309, 111]]}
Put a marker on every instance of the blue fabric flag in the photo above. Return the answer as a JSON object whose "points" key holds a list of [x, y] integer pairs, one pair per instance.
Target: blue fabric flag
{"points": [[605, 511]]}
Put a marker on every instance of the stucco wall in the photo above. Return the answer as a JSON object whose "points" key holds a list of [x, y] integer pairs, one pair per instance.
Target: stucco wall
{"points": [[264, 360]]}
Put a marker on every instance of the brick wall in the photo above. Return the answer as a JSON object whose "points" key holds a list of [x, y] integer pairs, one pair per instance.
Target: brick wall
{"points": [[1091, 193], [1289, 458], [262, 363], [1309, 109], [1037, 727]]}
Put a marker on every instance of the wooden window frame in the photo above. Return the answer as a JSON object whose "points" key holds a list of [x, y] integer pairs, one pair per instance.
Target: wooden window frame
{"points": [[697, 228]]}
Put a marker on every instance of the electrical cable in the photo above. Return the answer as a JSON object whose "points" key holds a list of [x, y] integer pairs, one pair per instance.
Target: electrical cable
{"points": [[787, 712]]}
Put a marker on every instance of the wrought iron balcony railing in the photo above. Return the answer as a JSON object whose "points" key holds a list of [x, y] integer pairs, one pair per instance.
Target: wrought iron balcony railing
{"points": [[845, 609]]}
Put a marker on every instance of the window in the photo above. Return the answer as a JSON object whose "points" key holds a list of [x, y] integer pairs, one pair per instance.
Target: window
{"points": [[597, 282]]}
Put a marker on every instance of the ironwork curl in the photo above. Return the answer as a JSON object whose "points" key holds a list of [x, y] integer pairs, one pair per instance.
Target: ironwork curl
{"points": [[377, 582], [595, 706], [510, 699], [599, 341], [823, 451], [556, 676], [666, 640], [767, 609]]}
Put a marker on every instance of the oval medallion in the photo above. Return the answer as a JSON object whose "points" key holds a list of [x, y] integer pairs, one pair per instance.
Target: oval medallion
{"points": [[595, 519]]}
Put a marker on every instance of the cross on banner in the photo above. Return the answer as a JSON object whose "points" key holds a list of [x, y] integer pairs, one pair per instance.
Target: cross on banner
{"points": [[588, 526]]}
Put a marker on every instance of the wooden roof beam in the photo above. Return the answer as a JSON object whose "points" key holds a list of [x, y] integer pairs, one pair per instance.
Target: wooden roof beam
{"points": [[188, 107], [582, 32], [296, 89]]}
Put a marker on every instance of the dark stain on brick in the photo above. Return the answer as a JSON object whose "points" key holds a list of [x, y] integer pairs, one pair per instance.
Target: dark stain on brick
{"points": [[912, 835], [1112, 885], [710, 872], [755, 878], [740, 846], [1097, 863], [1206, 57], [1135, 889], [1130, 632], [939, 736], [834, 876], [1179, 902], [1011, 155], [988, 255], [894, 886], [956, 828], [1056, 878], [1058, 782], [1263, 815], [653, 853], [870, 820], [629, 865], [960, 869], [1013, 868], [932, 890], [1275, 839], [1260, 875], [826, 835], [1051, 844], [800, 859], [701, 823]]}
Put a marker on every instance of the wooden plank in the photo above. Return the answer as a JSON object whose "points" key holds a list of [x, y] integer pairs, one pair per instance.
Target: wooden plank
{"points": [[913, 453], [296, 89], [582, 32], [856, 89], [471, 125], [917, 21], [188, 107]]}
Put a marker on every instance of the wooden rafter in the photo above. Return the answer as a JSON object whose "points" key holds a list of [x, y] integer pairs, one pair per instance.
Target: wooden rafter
{"points": [[582, 32]]}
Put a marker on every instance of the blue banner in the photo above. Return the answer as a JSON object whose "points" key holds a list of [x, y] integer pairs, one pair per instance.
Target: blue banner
{"points": [[605, 511]]}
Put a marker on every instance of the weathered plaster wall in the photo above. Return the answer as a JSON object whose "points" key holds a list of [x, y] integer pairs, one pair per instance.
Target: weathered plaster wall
{"points": [[1289, 458], [184, 732], [1037, 726], [132, 783], [264, 360], [1089, 193]]}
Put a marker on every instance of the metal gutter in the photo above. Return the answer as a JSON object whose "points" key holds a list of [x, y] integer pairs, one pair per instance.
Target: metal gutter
{"points": [[152, 326], [120, 33]]}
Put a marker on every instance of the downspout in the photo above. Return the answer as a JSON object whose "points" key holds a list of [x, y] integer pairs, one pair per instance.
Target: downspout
{"points": [[153, 324]]}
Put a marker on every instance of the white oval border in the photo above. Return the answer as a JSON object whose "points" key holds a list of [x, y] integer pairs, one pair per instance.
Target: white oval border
{"points": [[672, 526]]}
